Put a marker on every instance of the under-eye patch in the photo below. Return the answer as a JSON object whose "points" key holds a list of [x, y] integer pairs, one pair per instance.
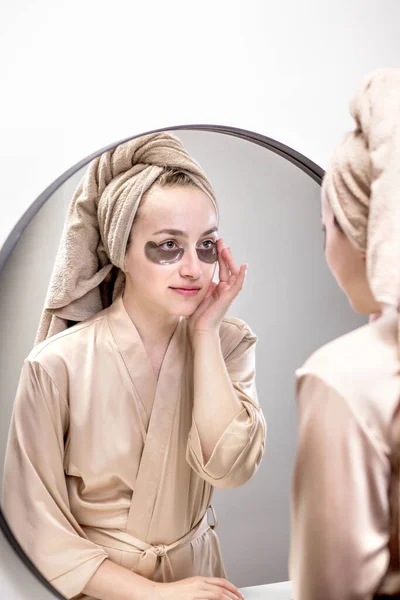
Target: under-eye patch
{"points": [[208, 255], [164, 256]]}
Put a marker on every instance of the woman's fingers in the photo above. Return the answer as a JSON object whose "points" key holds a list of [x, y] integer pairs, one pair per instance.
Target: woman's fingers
{"points": [[215, 594], [223, 265], [230, 261], [211, 289], [236, 282], [228, 268], [225, 584], [217, 300], [240, 277], [203, 307], [233, 268]]}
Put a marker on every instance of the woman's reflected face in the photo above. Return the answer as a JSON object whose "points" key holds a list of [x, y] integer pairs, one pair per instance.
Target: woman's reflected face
{"points": [[171, 259]]}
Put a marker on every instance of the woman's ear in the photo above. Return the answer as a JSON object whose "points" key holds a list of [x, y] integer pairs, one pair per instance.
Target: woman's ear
{"points": [[363, 256]]}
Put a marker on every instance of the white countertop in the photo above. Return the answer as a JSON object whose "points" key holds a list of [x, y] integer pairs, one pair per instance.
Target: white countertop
{"points": [[271, 591]]}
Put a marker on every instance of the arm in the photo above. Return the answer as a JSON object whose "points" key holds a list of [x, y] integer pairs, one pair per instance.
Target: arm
{"points": [[340, 508], [227, 438], [113, 582], [35, 498], [216, 403]]}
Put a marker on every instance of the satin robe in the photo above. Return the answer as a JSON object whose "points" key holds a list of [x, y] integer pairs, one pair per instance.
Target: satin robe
{"points": [[105, 461], [346, 492]]}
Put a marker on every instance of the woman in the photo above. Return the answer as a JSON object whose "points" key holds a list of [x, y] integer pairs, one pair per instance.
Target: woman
{"points": [[125, 422], [346, 494]]}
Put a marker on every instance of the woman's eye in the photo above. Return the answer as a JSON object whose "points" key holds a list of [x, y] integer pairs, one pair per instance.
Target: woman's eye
{"points": [[207, 244], [169, 245]]}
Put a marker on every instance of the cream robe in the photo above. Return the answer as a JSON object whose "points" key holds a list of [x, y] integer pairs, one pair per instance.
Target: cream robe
{"points": [[346, 493], [105, 461]]}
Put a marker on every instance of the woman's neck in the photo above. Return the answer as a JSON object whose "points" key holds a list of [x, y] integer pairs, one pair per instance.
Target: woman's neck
{"points": [[155, 330]]}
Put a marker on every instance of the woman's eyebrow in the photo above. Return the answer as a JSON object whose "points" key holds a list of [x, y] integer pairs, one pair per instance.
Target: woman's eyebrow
{"points": [[180, 233], [210, 231]]}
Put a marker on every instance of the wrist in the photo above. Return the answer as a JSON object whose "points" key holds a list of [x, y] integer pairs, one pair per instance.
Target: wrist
{"points": [[200, 334], [203, 341]]}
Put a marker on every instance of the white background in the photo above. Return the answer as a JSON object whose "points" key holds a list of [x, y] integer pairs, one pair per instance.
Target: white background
{"points": [[81, 75]]}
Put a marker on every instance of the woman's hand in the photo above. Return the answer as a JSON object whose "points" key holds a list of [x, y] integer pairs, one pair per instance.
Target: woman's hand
{"points": [[195, 588], [210, 312], [114, 582]]}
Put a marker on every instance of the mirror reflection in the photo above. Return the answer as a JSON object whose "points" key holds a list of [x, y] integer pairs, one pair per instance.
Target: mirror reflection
{"points": [[142, 422], [346, 492]]}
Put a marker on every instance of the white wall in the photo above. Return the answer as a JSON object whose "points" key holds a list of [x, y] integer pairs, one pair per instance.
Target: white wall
{"points": [[79, 75], [270, 215]]}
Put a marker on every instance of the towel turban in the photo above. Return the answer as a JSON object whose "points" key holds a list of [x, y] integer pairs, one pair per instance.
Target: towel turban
{"points": [[87, 274], [362, 183]]}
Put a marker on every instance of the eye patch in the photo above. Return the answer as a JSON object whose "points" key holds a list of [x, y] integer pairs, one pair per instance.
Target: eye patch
{"points": [[161, 256], [208, 255]]}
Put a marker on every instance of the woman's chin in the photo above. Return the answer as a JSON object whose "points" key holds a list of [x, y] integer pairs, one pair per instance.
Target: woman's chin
{"points": [[186, 309], [186, 313]]}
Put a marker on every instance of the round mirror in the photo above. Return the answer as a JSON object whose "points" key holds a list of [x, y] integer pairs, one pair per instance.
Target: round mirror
{"points": [[270, 217]]}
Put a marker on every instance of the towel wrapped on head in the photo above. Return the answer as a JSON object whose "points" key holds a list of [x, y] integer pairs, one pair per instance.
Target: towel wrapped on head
{"points": [[362, 183], [88, 272]]}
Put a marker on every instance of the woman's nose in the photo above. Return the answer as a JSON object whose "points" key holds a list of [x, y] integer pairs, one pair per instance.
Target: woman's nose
{"points": [[190, 266]]}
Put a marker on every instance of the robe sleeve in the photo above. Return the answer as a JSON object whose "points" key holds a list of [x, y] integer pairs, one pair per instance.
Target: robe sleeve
{"points": [[241, 447], [34, 496], [340, 504]]}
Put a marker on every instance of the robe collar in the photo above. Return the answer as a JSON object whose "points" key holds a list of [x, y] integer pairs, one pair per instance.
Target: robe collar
{"points": [[135, 357]]}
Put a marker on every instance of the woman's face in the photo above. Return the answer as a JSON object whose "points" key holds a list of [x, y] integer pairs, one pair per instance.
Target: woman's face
{"points": [[170, 262], [347, 264]]}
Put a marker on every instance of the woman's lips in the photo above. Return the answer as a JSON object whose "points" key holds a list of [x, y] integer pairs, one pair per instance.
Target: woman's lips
{"points": [[186, 291]]}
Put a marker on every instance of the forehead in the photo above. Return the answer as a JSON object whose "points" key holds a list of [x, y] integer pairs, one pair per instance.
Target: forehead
{"points": [[178, 207]]}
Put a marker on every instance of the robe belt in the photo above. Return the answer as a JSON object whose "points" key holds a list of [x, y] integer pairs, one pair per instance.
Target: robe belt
{"points": [[124, 541]]}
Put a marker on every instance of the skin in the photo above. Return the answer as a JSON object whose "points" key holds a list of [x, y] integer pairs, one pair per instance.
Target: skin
{"points": [[148, 292], [155, 308], [347, 265]]}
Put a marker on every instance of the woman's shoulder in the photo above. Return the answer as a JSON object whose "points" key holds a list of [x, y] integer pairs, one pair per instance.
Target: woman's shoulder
{"points": [[371, 344], [235, 332], [67, 344], [236, 327], [362, 366]]}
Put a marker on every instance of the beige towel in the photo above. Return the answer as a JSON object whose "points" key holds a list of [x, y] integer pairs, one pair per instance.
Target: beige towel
{"points": [[87, 274], [362, 182]]}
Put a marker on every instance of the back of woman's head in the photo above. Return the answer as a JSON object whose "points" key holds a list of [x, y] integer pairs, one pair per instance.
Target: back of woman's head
{"points": [[362, 182]]}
